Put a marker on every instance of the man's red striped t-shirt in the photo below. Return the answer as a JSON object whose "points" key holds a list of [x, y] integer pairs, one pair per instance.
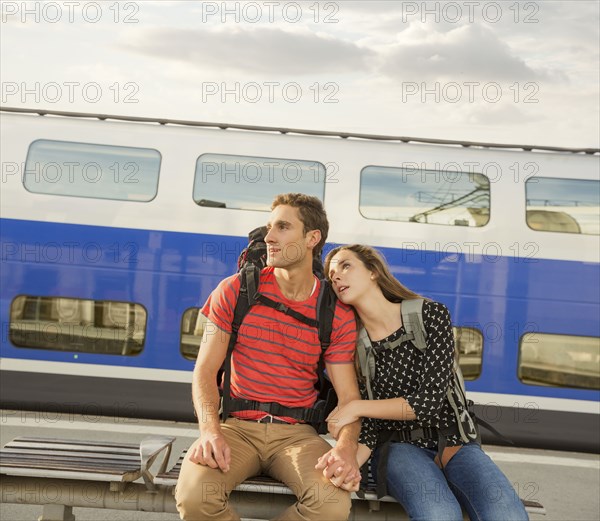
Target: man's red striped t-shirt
{"points": [[275, 358]]}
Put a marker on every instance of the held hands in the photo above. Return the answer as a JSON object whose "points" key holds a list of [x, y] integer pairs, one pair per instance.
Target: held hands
{"points": [[341, 468], [331, 467], [212, 451]]}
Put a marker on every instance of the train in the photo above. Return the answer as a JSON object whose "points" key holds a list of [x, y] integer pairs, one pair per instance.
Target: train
{"points": [[115, 229]]}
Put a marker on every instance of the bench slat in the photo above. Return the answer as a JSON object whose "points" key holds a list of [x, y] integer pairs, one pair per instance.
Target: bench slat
{"points": [[40, 461], [80, 443], [28, 472], [71, 454], [105, 469], [73, 447]]}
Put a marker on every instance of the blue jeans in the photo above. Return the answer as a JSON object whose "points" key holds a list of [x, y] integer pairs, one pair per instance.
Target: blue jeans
{"points": [[471, 480]]}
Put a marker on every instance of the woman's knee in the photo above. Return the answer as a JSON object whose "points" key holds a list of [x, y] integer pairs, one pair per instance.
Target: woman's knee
{"points": [[424, 501], [482, 487]]}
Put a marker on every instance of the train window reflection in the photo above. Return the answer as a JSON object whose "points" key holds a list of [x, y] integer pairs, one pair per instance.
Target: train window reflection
{"points": [[192, 328], [560, 360], [251, 183], [563, 205], [425, 196], [84, 326], [469, 349], [91, 170]]}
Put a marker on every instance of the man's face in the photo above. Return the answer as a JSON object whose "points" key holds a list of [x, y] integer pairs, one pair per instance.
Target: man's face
{"points": [[287, 245]]}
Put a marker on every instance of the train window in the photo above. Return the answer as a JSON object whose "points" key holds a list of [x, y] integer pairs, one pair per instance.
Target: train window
{"points": [[192, 328], [560, 360], [251, 183], [469, 348], [83, 326], [90, 170], [563, 205], [411, 194]]}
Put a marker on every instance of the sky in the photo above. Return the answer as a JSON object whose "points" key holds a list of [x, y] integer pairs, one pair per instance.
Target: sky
{"points": [[518, 72]]}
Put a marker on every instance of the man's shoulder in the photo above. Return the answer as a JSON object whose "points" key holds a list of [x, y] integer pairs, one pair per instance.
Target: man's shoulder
{"points": [[340, 307], [230, 283], [267, 272]]}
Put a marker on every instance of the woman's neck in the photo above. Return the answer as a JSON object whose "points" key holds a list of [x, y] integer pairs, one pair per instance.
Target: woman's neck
{"points": [[379, 316]]}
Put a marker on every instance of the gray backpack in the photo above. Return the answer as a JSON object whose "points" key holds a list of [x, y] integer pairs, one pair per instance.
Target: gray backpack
{"points": [[412, 319]]}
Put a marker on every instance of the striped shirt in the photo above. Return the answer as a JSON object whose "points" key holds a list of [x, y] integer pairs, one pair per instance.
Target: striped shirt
{"points": [[275, 357]]}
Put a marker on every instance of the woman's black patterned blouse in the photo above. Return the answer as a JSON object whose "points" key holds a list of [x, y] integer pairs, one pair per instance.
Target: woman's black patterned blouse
{"points": [[422, 378]]}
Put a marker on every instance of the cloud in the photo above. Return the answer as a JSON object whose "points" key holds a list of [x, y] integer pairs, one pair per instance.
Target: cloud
{"points": [[501, 114], [470, 53], [249, 50]]}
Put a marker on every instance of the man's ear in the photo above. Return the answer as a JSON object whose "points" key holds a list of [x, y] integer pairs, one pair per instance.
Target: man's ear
{"points": [[314, 237]]}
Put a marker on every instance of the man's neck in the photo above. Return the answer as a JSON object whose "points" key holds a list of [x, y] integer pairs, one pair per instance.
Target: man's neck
{"points": [[297, 283]]}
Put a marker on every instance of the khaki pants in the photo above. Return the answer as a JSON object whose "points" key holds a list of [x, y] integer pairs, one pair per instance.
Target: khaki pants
{"points": [[287, 453]]}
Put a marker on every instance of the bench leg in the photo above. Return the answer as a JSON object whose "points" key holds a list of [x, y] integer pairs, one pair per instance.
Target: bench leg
{"points": [[57, 513]]}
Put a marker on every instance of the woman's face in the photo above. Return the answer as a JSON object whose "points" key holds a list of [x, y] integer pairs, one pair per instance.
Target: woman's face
{"points": [[350, 278]]}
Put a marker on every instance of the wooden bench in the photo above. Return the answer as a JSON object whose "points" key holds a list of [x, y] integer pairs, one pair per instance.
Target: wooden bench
{"points": [[61, 474]]}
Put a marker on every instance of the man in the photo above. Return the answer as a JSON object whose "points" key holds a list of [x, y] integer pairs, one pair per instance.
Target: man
{"points": [[274, 360]]}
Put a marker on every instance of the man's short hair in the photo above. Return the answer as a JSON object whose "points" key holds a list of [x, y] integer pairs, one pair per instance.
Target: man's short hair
{"points": [[312, 214]]}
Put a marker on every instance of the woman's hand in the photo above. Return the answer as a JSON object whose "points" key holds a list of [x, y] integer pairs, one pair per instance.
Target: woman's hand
{"points": [[342, 416], [335, 473]]}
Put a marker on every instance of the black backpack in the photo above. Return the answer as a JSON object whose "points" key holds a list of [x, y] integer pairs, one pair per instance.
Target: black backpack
{"points": [[250, 262]]}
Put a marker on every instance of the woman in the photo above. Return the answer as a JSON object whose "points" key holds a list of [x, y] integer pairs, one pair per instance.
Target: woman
{"points": [[409, 390]]}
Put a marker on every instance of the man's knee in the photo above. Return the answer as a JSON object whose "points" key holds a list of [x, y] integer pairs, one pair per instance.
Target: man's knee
{"points": [[200, 500], [329, 502]]}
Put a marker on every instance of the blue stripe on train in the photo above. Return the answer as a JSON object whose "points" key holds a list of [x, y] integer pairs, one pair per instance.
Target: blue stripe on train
{"points": [[169, 272]]}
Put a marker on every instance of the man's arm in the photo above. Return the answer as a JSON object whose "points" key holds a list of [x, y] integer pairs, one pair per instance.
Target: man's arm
{"points": [[340, 463], [212, 450], [343, 378]]}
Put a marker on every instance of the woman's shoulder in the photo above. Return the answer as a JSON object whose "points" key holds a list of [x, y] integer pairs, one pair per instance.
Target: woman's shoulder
{"points": [[433, 309]]}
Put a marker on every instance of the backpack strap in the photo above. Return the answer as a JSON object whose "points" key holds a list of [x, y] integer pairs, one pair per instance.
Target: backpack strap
{"points": [[366, 359], [249, 277], [326, 303], [281, 307], [412, 319]]}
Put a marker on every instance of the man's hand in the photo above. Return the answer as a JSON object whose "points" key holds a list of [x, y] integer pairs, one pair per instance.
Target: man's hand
{"points": [[340, 466], [212, 451]]}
